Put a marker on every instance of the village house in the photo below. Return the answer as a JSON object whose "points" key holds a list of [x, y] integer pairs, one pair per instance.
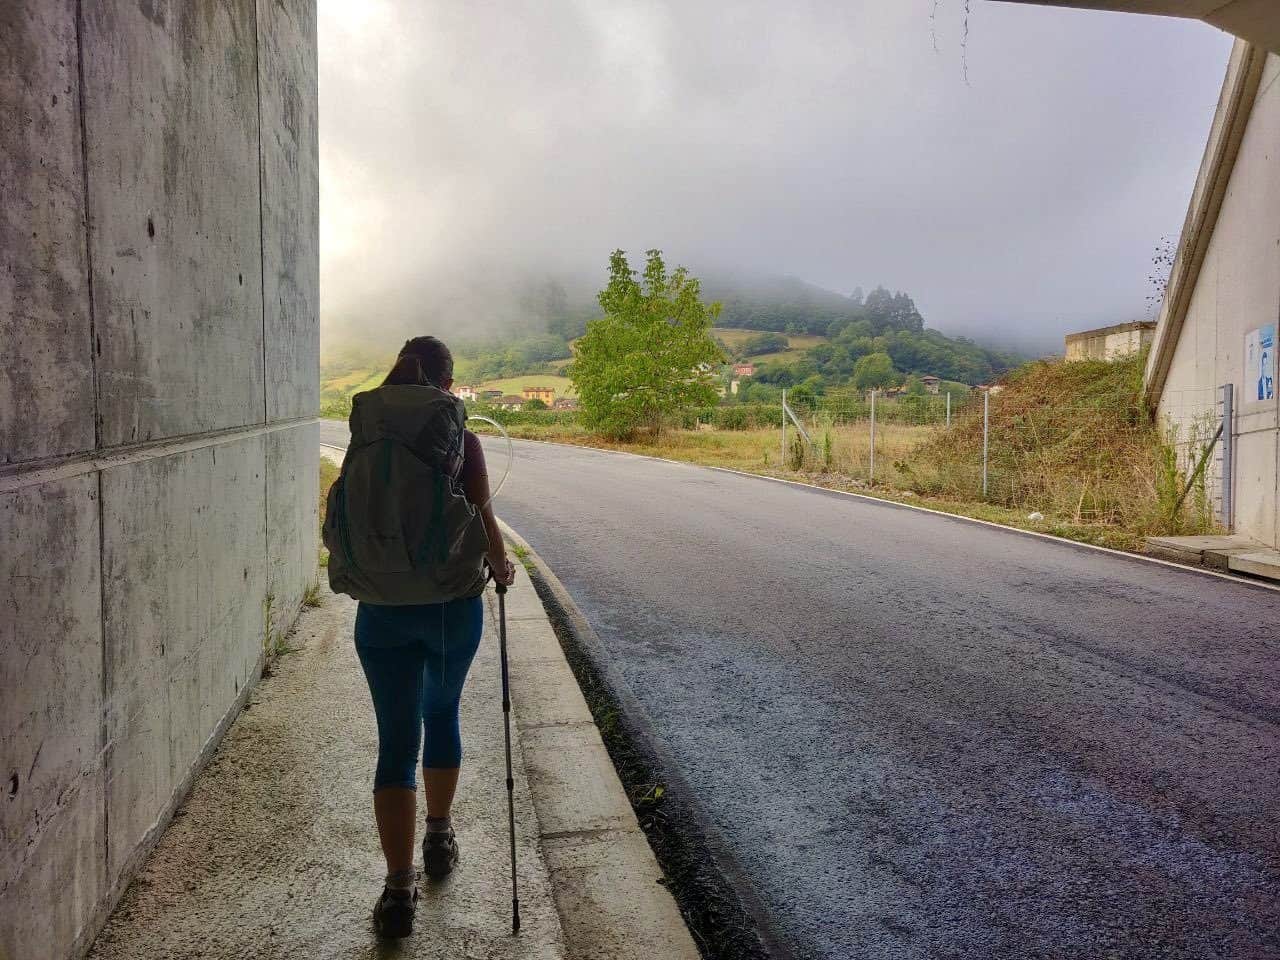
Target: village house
{"points": [[565, 403], [510, 402], [546, 394], [490, 396], [931, 383], [467, 393], [744, 369]]}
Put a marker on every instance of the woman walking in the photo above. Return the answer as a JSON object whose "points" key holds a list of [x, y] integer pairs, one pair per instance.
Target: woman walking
{"points": [[415, 655]]}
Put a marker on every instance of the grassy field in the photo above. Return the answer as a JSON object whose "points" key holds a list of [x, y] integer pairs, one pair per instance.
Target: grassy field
{"points": [[563, 386], [735, 337], [345, 382]]}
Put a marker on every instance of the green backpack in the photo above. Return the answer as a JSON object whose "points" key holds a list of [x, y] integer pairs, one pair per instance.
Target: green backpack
{"points": [[398, 527]]}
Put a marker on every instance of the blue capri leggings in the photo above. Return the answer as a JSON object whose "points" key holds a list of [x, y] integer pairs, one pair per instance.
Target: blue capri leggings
{"points": [[416, 660]]}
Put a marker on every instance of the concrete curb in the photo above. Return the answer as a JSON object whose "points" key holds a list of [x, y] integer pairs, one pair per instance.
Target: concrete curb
{"points": [[605, 879]]}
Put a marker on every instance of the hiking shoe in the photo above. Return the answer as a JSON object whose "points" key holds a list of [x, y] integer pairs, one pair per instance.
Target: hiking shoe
{"points": [[393, 913], [439, 853]]}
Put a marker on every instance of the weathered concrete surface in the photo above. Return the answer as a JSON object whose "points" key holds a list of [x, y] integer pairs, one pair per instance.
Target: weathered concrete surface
{"points": [[171, 120], [290, 207], [51, 814], [292, 535], [44, 296], [1260, 563], [133, 322], [275, 854], [183, 621], [1210, 551]]}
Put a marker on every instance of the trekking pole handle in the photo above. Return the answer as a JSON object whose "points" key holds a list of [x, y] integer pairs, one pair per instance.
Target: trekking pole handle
{"points": [[499, 587]]}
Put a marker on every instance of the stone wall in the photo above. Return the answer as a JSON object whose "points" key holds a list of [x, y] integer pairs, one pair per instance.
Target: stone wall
{"points": [[158, 382]]}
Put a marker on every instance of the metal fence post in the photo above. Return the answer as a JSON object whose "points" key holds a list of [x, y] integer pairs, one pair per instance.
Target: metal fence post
{"points": [[782, 461], [948, 408], [1228, 455], [871, 475], [986, 422]]}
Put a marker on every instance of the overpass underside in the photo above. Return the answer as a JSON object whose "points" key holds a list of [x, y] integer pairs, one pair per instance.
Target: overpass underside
{"points": [[1257, 21]]}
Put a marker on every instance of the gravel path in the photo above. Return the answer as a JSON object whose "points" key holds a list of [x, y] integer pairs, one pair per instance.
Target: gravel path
{"points": [[274, 853]]}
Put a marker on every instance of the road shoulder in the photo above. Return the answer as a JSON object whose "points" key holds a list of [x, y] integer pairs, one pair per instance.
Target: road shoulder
{"points": [[607, 884]]}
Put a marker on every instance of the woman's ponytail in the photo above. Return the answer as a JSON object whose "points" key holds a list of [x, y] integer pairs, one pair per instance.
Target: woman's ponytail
{"points": [[407, 369]]}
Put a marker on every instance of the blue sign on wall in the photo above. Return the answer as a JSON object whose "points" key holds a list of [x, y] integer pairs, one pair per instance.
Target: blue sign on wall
{"points": [[1260, 362]]}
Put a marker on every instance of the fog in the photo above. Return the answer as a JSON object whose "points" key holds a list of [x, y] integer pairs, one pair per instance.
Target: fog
{"points": [[471, 150]]}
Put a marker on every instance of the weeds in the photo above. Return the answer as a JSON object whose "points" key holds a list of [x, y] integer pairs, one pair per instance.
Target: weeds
{"points": [[274, 642], [522, 554], [312, 597]]}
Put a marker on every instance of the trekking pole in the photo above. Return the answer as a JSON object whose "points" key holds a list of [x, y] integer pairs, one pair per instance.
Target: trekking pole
{"points": [[506, 729]]}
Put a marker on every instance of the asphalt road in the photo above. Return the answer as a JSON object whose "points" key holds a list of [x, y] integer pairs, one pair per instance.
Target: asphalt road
{"points": [[923, 737]]}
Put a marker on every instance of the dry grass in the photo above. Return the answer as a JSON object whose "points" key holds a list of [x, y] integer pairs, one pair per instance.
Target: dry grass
{"points": [[1071, 441], [1068, 441]]}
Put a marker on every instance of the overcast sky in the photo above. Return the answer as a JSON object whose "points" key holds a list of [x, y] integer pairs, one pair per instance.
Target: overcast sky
{"points": [[464, 143]]}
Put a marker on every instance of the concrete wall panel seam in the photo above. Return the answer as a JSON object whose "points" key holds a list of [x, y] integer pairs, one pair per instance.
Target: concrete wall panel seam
{"points": [[262, 256], [88, 225], [17, 476]]}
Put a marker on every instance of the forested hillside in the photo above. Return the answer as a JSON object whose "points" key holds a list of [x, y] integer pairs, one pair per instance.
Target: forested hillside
{"points": [[805, 335]]}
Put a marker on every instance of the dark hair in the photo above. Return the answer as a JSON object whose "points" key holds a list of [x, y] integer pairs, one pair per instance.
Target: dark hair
{"points": [[422, 360]]}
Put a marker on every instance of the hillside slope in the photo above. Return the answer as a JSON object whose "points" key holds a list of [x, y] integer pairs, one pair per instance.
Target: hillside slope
{"points": [[1070, 440]]}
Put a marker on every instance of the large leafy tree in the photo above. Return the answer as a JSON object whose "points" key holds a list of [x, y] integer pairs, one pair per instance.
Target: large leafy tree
{"points": [[652, 352], [874, 370]]}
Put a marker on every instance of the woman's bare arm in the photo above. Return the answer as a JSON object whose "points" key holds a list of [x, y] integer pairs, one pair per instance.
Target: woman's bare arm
{"points": [[475, 484]]}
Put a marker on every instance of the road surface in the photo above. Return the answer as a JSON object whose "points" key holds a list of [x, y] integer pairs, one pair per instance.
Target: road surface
{"points": [[922, 737]]}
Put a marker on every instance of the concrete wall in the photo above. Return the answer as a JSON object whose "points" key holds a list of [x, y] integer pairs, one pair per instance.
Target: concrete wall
{"points": [[158, 380], [1109, 343], [1237, 290]]}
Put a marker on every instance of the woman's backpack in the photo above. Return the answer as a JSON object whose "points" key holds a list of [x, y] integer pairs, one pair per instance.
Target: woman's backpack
{"points": [[398, 527]]}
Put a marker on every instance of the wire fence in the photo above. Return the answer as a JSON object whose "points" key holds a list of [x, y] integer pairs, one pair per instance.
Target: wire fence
{"points": [[1087, 462], [1078, 456]]}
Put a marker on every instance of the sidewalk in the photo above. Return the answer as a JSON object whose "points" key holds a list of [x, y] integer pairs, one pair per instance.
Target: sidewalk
{"points": [[274, 853]]}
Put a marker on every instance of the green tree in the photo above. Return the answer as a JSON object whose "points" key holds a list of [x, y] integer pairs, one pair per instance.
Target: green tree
{"points": [[535, 404], [914, 386], [874, 370], [652, 352]]}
